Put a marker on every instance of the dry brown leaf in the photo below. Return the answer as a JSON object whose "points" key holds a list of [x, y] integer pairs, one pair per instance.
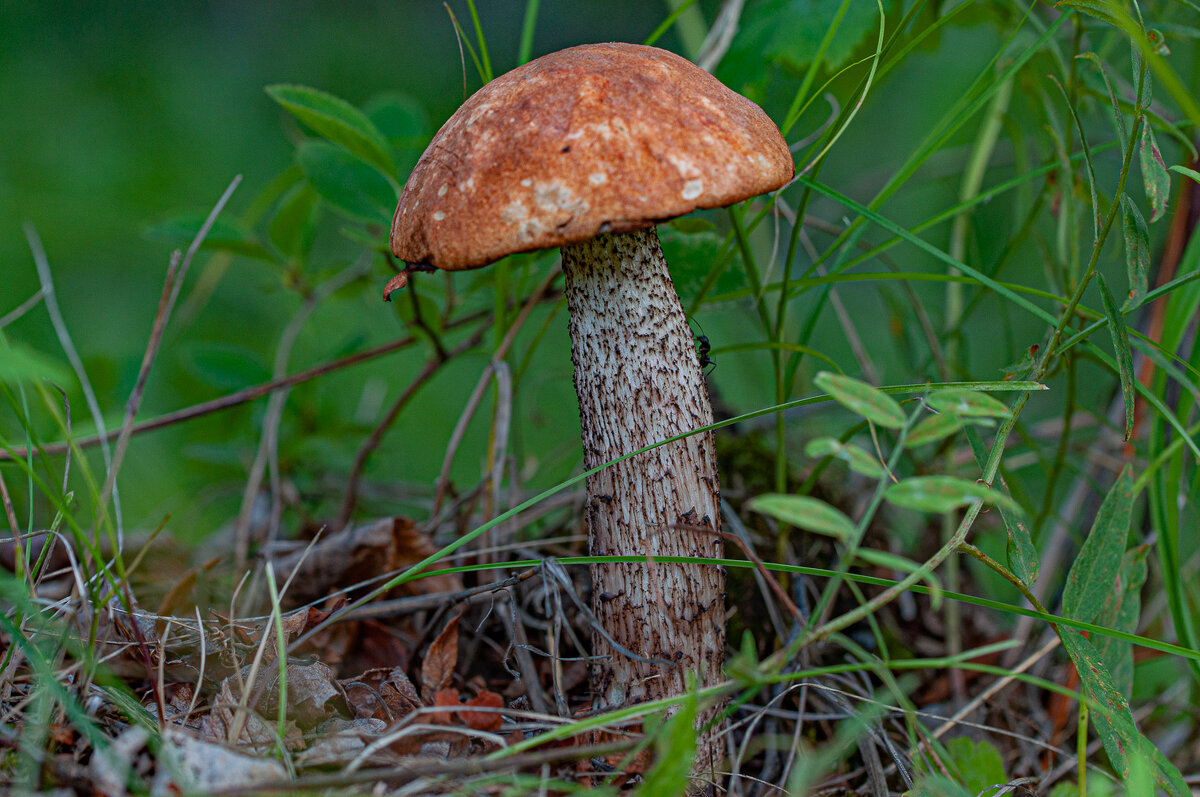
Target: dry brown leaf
{"points": [[440, 660], [340, 741], [208, 767], [360, 552], [483, 720], [445, 698], [383, 693]]}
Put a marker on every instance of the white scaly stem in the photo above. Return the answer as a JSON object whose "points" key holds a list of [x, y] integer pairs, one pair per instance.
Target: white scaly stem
{"points": [[639, 382]]}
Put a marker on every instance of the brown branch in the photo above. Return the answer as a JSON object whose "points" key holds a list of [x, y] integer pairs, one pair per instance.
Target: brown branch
{"points": [[226, 402], [415, 768]]}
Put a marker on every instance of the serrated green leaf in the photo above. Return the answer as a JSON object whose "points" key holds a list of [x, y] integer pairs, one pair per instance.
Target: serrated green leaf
{"points": [[933, 428], [1154, 174], [944, 494], [979, 763], [346, 183], [859, 460], [338, 121], [1094, 574], [675, 749], [806, 513], [862, 399], [295, 222], [967, 404], [20, 363], [1137, 250], [224, 235], [1120, 337]]}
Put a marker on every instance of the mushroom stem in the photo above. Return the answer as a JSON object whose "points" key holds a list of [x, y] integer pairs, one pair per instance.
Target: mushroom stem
{"points": [[639, 382]]}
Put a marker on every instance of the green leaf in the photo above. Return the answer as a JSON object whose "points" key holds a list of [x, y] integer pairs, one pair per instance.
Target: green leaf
{"points": [[346, 183], [862, 399], [1117, 116], [967, 404], [1020, 551], [691, 225], [937, 786], [1137, 250], [859, 461], [400, 118], [224, 235], [791, 31], [933, 428], [675, 748], [944, 494], [805, 513], [980, 763], [1186, 172], [20, 363], [1112, 718], [222, 365], [1154, 174], [295, 222], [1121, 611], [1094, 575], [338, 121], [405, 123], [1120, 336]]}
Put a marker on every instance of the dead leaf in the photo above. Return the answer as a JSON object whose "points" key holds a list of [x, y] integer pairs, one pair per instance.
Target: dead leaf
{"points": [[440, 660], [358, 553], [340, 741], [382, 693], [209, 767], [394, 284], [110, 766], [445, 698], [483, 720]]}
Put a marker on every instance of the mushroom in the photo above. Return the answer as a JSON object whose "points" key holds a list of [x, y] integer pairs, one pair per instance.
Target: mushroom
{"points": [[586, 149]]}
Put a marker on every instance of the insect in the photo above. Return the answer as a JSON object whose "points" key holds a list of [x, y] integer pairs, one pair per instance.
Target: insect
{"points": [[703, 348]]}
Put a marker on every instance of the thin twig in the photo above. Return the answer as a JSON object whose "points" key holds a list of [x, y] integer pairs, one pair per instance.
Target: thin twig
{"points": [[233, 399], [23, 308], [414, 769]]}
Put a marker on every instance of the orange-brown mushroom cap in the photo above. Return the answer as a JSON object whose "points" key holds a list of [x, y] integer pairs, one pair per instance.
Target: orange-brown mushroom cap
{"points": [[595, 138]]}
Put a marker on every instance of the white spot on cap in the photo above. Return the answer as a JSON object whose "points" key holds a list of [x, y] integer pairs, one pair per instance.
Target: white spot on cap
{"points": [[527, 182], [470, 182], [597, 178], [692, 189], [442, 191], [514, 212], [439, 216]]}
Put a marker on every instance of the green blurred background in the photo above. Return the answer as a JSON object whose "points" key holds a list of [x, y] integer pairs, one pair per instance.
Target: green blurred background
{"points": [[119, 115]]}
